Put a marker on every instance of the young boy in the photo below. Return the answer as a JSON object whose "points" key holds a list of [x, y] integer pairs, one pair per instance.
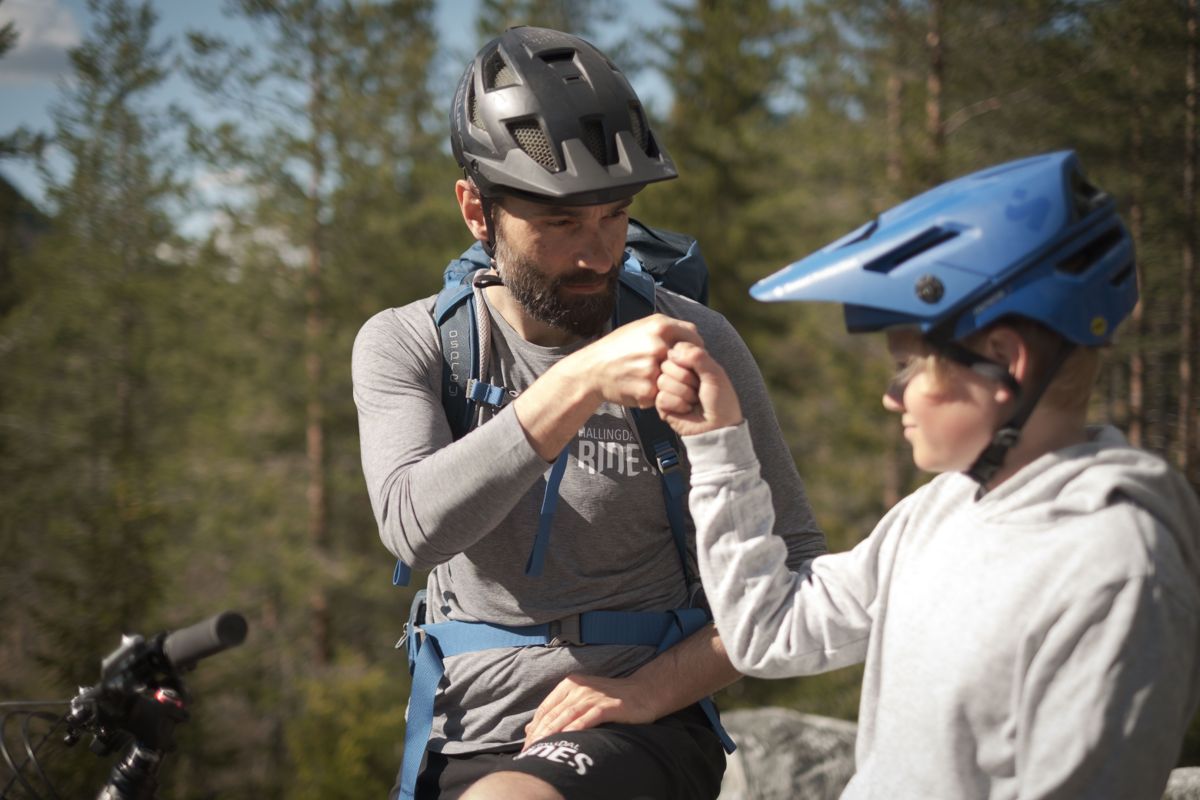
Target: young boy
{"points": [[1030, 619]]}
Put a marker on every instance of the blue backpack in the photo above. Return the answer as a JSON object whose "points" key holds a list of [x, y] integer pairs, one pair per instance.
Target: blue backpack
{"points": [[652, 258]]}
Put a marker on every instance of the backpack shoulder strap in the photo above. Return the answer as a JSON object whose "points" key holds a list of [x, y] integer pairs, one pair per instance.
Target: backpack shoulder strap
{"points": [[454, 315], [661, 446]]}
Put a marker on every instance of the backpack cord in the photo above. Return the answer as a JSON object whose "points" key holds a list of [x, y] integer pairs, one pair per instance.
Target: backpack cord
{"points": [[484, 321]]}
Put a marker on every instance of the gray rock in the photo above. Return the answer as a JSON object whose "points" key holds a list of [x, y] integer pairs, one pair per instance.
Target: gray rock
{"points": [[1184, 784], [783, 754]]}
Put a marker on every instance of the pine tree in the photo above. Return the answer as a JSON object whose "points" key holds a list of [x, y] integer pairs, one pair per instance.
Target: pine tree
{"points": [[86, 403], [350, 210]]}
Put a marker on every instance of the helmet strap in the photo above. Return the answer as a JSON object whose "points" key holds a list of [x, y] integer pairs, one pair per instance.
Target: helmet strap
{"points": [[1006, 437]]}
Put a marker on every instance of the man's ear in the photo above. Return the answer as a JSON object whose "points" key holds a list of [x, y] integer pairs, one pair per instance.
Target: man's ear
{"points": [[1005, 345], [472, 209]]}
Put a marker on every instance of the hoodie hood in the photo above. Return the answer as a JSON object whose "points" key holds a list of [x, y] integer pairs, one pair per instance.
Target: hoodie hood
{"points": [[1089, 477]]}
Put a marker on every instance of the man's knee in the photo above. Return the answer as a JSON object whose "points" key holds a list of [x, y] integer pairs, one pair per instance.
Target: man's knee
{"points": [[511, 786]]}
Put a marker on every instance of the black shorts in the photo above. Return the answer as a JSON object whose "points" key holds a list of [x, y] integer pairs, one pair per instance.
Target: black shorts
{"points": [[679, 757]]}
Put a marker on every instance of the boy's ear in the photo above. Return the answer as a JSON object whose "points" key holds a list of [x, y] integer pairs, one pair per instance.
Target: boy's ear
{"points": [[471, 208], [1005, 346]]}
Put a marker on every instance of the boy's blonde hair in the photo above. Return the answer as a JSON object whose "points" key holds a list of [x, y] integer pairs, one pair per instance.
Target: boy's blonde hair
{"points": [[1071, 388]]}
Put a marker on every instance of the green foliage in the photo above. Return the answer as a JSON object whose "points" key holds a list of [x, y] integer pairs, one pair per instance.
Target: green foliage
{"points": [[82, 501], [726, 63], [1190, 755], [8, 35], [348, 742]]}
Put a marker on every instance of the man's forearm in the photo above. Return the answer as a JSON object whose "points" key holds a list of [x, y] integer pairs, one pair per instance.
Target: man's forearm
{"points": [[555, 407], [686, 673]]}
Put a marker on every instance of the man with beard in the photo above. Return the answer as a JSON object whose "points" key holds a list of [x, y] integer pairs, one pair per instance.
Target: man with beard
{"points": [[591, 678]]}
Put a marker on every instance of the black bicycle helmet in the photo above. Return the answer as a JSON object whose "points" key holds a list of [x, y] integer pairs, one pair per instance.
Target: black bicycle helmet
{"points": [[544, 114]]}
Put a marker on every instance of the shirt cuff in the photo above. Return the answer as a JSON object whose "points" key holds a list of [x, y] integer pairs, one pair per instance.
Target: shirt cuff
{"points": [[721, 451]]}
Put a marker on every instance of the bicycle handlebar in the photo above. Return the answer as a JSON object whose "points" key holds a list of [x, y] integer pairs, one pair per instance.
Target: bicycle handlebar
{"points": [[184, 647], [140, 696]]}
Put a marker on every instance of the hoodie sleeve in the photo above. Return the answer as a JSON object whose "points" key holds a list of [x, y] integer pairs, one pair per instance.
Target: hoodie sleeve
{"points": [[775, 622], [1109, 691], [794, 521]]}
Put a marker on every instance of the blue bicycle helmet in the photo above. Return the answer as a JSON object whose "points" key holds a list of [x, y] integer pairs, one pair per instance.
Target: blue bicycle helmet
{"points": [[1031, 238]]}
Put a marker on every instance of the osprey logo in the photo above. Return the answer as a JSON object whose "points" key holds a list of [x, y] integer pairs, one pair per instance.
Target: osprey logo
{"points": [[560, 752], [454, 358], [1032, 211]]}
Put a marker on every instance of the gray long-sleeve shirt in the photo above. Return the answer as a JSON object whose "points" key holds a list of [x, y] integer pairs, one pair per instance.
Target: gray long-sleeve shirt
{"points": [[1041, 642], [469, 510]]}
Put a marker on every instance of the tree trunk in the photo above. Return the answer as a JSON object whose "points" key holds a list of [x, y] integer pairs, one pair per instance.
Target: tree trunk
{"points": [[893, 463], [934, 81], [1186, 433], [314, 324], [1137, 357]]}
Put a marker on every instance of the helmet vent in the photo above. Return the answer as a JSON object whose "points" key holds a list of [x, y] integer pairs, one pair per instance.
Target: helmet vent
{"points": [[854, 237], [910, 249], [1123, 275], [562, 63], [555, 56], [497, 73], [1082, 260], [638, 126], [593, 140], [473, 108], [532, 140], [1085, 197]]}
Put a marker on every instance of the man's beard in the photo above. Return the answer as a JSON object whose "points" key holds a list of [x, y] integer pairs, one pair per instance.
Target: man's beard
{"points": [[543, 298]]}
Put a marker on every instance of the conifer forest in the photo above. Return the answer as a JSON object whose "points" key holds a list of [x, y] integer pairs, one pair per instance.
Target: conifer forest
{"points": [[177, 431]]}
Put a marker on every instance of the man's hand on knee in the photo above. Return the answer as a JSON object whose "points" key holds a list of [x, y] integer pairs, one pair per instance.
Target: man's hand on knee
{"points": [[585, 701]]}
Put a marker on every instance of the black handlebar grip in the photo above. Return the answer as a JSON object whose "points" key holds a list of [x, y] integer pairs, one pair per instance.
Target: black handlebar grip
{"points": [[186, 646]]}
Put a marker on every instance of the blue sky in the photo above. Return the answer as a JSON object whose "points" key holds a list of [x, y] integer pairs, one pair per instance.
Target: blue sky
{"points": [[29, 74]]}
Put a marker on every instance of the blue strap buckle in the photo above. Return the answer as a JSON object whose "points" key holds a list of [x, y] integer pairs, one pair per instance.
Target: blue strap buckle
{"points": [[666, 457], [487, 393], [565, 632]]}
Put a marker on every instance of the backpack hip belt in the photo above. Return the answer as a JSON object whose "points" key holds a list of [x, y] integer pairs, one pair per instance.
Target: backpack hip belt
{"points": [[429, 644]]}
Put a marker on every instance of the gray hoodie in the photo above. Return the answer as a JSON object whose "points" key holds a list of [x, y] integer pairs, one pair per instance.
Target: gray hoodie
{"points": [[1043, 641]]}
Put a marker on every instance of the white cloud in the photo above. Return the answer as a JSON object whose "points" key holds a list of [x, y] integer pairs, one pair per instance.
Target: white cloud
{"points": [[46, 30]]}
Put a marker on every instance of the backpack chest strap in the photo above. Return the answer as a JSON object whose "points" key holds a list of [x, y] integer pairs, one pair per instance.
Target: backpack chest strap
{"points": [[428, 645]]}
